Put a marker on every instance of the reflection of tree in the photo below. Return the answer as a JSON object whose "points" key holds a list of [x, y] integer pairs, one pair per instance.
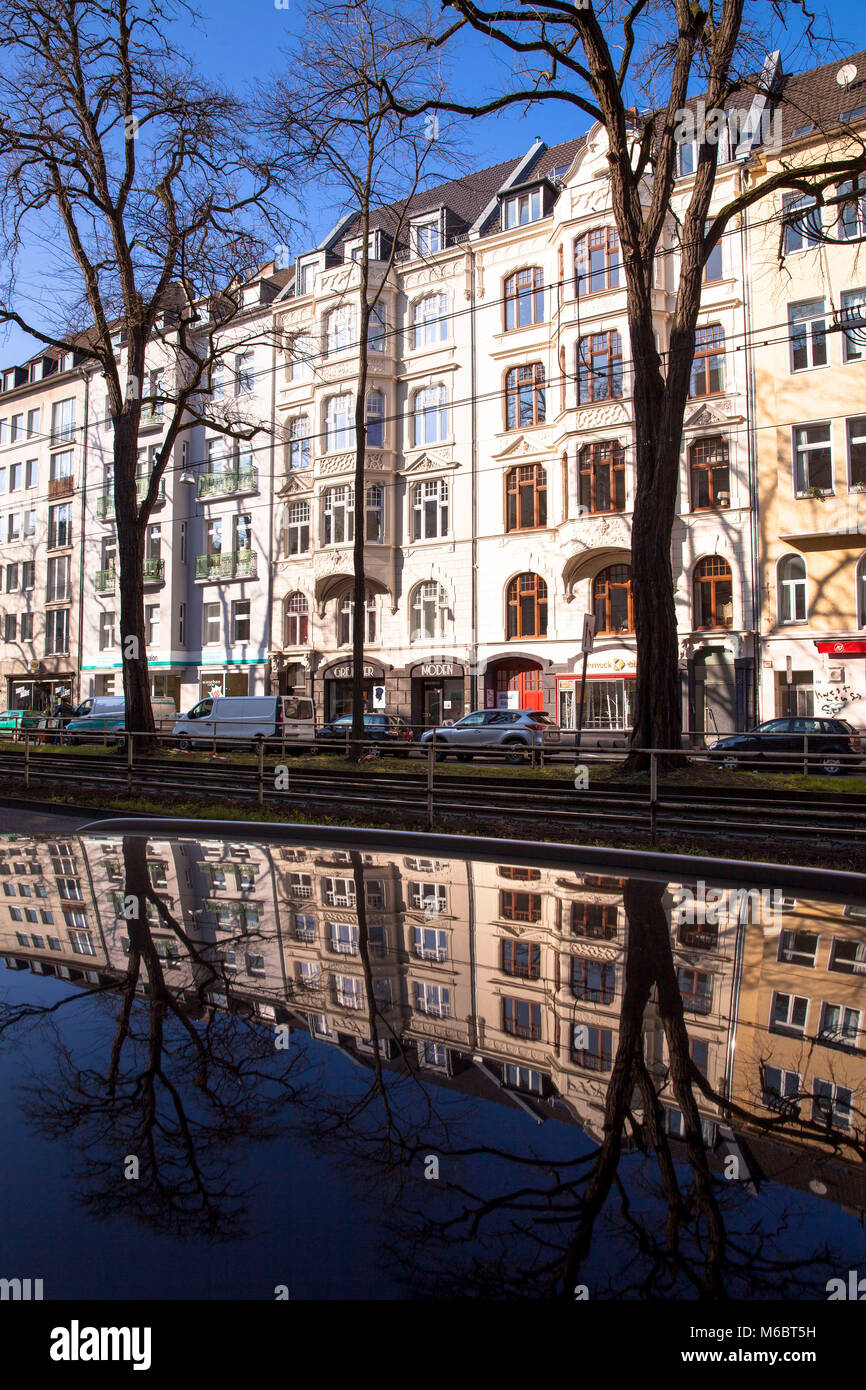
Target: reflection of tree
{"points": [[179, 1092]]}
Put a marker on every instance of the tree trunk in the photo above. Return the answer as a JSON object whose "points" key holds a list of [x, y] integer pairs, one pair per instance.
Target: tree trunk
{"points": [[131, 531]]}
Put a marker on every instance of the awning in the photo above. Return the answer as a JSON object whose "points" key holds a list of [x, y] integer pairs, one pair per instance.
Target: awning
{"points": [[842, 648]]}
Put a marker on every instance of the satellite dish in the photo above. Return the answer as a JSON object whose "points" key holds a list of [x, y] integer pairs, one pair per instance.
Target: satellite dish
{"points": [[845, 76]]}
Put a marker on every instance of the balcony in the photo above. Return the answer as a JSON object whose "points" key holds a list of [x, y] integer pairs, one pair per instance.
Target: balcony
{"points": [[105, 503], [60, 487], [153, 571], [104, 581], [232, 564], [232, 482]]}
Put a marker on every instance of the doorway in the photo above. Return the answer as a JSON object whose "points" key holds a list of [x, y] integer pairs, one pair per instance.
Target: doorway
{"points": [[515, 685]]}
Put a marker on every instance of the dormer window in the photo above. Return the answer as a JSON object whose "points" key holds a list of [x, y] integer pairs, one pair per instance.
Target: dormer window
{"points": [[306, 279], [525, 207], [427, 237]]}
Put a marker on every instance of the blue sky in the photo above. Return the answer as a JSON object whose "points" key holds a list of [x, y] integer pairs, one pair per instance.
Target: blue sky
{"points": [[238, 44]]}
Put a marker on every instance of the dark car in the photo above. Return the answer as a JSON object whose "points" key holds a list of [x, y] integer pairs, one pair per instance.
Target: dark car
{"points": [[378, 728], [833, 745]]}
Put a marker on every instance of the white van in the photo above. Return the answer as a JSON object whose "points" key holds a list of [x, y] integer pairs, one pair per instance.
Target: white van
{"points": [[247, 719], [103, 714]]}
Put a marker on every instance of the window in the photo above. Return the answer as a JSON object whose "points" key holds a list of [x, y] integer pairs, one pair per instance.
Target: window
{"points": [[780, 1088], [521, 1019], [16, 474], [853, 316], [345, 618], [813, 459], [375, 419], [344, 937], [429, 321], [597, 261], [696, 989], [301, 352], [82, 943], [376, 327], [801, 218], [299, 442], [798, 947], [428, 897], [63, 421], [32, 423], [808, 329], [26, 627], [56, 631], [526, 605], [349, 991], [713, 593], [848, 957], [430, 415], [521, 959], [525, 497], [699, 1051], [430, 510], [340, 329], [296, 620], [151, 622], [788, 1014], [30, 522], [211, 627], [713, 269], [339, 515], [521, 209], [218, 381], [339, 424], [852, 211], [430, 943], [244, 373], [181, 625], [709, 473], [831, 1105], [307, 277], [592, 1048], [10, 627], [708, 366], [593, 980], [612, 599], [31, 473], [430, 612], [107, 637], [13, 526], [599, 368], [839, 1025], [241, 620], [427, 237], [601, 473], [59, 526], [525, 396], [433, 999], [524, 298], [11, 579], [792, 589], [298, 528], [519, 907]]}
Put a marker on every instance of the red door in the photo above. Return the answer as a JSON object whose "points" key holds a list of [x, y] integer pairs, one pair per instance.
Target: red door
{"points": [[527, 681]]}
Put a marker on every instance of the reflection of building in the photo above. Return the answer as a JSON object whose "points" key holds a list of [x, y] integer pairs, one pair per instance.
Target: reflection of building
{"points": [[511, 972]]}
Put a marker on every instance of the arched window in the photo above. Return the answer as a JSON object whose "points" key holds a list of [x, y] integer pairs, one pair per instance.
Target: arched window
{"points": [[599, 368], [430, 509], [301, 352], [524, 298], [299, 442], [297, 620], [527, 606], [708, 367], [524, 396], [597, 261], [709, 473], [861, 591], [791, 575], [345, 610], [525, 497], [714, 593], [339, 424], [375, 419], [612, 599], [431, 415], [430, 612], [430, 321], [340, 329], [602, 477], [297, 534]]}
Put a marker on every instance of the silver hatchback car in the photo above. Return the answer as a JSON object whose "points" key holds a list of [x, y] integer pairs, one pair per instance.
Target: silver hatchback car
{"points": [[487, 730]]}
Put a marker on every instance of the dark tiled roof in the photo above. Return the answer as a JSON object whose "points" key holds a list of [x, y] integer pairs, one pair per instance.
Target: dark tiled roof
{"points": [[817, 97]]}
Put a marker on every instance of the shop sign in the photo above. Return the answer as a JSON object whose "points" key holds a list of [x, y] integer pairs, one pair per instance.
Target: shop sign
{"points": [[344, 673], [840, 648], [437, 668]]}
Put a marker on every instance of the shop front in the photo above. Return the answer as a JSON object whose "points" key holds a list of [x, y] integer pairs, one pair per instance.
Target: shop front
{"points": [[224, 681], [337, 688], [39, 693], [608, 698], [437, 691]]}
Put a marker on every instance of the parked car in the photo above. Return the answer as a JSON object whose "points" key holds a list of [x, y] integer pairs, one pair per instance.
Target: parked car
{"points": [[11, 718], [781, 742], [486, 730], [378, 728], [104, 714], [239, 719]]}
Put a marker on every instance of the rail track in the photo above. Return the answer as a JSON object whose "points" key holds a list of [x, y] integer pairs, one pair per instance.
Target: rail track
{"points": [[675, 810]]}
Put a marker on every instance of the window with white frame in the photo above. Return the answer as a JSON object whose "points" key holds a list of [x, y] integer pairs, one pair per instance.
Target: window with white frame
{"points": [[57, 631], [374, 513], [340, 329], [375, 419], [297, 528], [813, 458], [861, 591], [428, 897], [349, 991], [839, 1024], [430, 320], [780, 1088], [338, 516], [430, 509], [847, 956], [522, 208], [339, 424], [831, 1104], [218, 381], [808, 330], [376, 328], [107, 634], [853, 313], [301, 352], [855, 429], [345, 619], [299, 442], [788, 1014], [430, 612], [244, 373], [427, 237], [431, 943], [801, 217], [63, 421], [307, 277], [151, 623], [851, 225], [430, 415], [433, 999], [344, 938], [792, 589], [211, 624], [241, 620]]}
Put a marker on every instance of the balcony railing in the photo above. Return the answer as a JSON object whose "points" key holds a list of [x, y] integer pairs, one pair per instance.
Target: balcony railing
{"points": [[104, 581], [105, 503], [153, 571], [232, 564], [233, 480], [61, 487]]}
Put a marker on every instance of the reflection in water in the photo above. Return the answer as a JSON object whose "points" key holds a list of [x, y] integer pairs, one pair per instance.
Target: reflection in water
{"points": [[692, 1057]]}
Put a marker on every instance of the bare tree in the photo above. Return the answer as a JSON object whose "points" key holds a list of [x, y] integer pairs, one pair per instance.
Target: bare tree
{"points": [[601, 60], [114, 149], [345, 135]]}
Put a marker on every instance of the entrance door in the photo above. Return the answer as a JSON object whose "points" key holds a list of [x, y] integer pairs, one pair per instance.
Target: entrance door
{"points": [[714, 692], [432, 703], [519, 685]]}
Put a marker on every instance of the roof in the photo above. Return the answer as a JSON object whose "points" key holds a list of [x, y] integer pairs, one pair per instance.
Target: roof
{"points": [[816, 95]]}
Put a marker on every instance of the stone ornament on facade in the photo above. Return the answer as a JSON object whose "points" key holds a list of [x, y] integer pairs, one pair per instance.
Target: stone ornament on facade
{"points": [[595, 952], [598, 416]]}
